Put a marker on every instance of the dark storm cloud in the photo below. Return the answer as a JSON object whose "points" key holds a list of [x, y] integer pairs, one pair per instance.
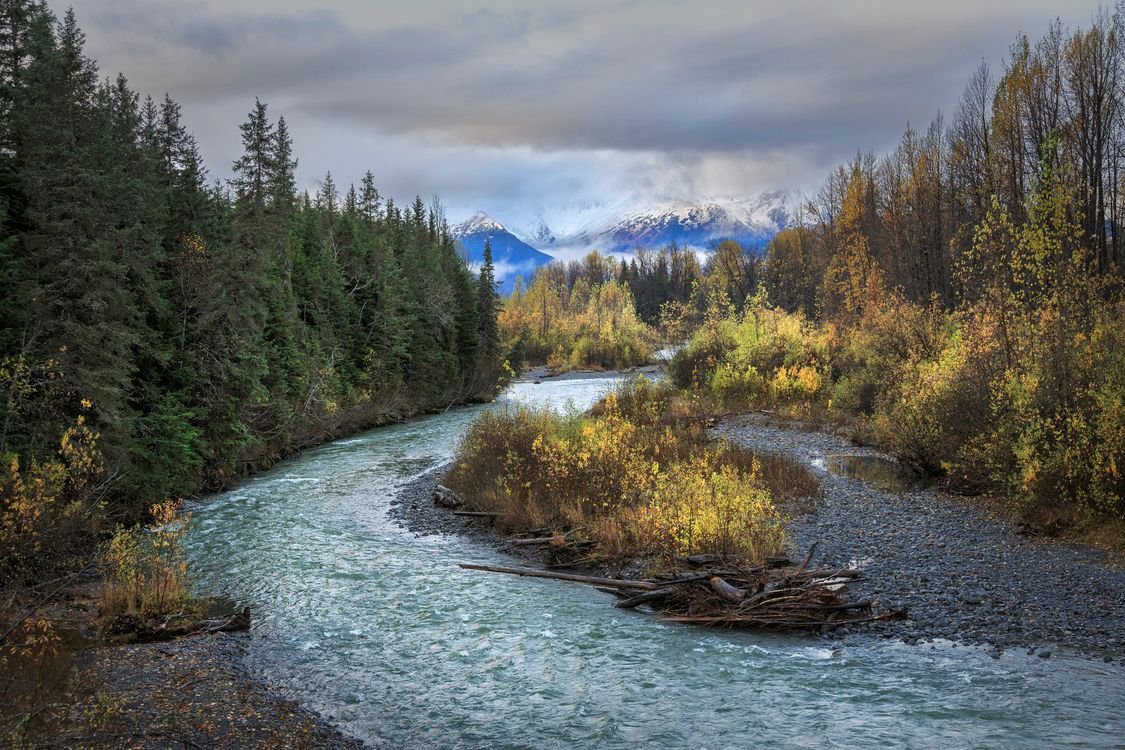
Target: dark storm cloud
{"points": [[192, 28], [202, 54], [692, 96], [716, 76]]}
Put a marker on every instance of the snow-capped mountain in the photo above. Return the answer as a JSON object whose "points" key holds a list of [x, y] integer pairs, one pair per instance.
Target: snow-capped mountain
{"points": [[696, 224], [511, 256], [558, 224], [538, 235], [479, 223]]}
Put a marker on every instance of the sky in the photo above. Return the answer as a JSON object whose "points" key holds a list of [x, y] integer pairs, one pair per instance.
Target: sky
{"points": [[553, 107]]}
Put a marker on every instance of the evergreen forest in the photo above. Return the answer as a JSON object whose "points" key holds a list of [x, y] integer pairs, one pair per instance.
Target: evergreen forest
{"points": [[163, 332]]}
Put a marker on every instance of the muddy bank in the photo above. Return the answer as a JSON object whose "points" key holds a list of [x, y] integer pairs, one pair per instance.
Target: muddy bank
{"points": [[192, 692]]}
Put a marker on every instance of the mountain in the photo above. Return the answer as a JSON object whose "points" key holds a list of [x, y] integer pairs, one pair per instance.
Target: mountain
{"points": [[696, 224], [511, 256], [573, 229]]}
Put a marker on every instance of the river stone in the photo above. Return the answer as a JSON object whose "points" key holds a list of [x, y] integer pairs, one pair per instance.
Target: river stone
{"points": [[447, 498]]}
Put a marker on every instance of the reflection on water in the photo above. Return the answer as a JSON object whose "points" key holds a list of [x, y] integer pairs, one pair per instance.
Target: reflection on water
{"points": [[381, 630], [883, 473]]}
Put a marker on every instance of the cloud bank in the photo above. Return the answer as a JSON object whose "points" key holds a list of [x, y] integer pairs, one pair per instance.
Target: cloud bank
{"points": [[499, 105]]}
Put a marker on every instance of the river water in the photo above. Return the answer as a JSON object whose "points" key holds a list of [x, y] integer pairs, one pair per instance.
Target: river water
{"points": [[383, 633]]}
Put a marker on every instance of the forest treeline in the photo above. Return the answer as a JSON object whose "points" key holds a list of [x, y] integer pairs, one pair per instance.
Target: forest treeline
{"points": [[961, 297], [162, 332], [608, 312], [958, 300]]}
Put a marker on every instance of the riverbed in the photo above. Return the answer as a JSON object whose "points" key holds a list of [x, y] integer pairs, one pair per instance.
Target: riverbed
{"points": [[378, 629]]}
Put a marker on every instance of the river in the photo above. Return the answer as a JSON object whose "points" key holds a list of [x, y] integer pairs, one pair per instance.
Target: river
{"points": [[382, 632]]}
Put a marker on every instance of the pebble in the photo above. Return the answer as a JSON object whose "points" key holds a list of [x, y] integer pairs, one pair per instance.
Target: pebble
{"points": [[962, 574]]}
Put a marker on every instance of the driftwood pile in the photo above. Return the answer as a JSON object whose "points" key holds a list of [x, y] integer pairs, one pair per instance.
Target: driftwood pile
{"points": [[777, 596]]}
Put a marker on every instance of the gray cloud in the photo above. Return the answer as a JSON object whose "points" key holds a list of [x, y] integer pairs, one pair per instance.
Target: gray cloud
{"points": [[650, 97]]}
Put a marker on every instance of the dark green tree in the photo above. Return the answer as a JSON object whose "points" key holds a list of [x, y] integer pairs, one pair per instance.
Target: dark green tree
{"points": [[488, 305]]}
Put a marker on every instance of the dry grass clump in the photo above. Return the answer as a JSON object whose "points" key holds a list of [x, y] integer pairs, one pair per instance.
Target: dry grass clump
{"points": [[146, 584], [637, 475]]}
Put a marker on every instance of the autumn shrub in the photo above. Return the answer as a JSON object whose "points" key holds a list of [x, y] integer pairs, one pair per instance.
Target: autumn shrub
{"points": [[146, 572], [637, 474], [871, 355], [34, 663], [699, 507], [765, 356], [50, 508], [694, 364], [587, 326], [1054, 429]]}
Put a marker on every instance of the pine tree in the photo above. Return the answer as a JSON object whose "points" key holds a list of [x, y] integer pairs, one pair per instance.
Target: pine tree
{"points": [[256, 169], [283, 181], [351, 201], [488, 305], [369, 198], [327, 198]]}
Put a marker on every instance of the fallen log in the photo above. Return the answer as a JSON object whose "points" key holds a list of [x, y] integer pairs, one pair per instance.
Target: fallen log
{"points": [[796, 597], [477, 513], [237, 622], [725, 590], [447, 498], [808, 558], [643, 598], [834, 573]]}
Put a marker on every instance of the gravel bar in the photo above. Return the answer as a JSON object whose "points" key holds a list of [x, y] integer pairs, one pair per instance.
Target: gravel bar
{"points": [[962, 573]]}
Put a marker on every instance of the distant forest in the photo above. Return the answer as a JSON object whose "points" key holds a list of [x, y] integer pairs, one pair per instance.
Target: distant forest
{"points": [[957, 301], [161, 332], [1052, 120]]}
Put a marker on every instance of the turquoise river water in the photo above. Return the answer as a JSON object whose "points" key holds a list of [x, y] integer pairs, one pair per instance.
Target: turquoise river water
{"points": [[382, 632]]}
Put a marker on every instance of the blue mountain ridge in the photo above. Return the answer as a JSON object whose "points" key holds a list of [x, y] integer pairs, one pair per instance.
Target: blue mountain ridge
{"points": [[622, 242], [700, 225], [512, 257]]}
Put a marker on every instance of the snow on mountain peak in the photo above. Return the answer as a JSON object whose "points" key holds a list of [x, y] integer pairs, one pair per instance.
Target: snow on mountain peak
{"points": [[479, 223], [579, 226]]}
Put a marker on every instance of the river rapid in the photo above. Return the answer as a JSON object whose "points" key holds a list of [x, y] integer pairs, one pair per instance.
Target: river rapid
{"points": [[379, 630]]}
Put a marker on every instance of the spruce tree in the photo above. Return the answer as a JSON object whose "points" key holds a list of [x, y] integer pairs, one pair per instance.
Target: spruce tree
{"points": [[255, 170], [283, 180], [369, 198], [488, 305]]}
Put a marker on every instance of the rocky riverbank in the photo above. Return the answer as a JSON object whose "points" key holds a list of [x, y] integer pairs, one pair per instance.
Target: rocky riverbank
{"points": [[191, 692], [963, 574]]}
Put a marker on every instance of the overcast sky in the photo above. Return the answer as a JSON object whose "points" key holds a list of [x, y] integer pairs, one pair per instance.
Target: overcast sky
{"points": [[503, 106]]}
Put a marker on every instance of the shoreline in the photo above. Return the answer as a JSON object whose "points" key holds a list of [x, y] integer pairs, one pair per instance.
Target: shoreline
{"points": [[193, 690], [963, 575], [198, 690]]}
